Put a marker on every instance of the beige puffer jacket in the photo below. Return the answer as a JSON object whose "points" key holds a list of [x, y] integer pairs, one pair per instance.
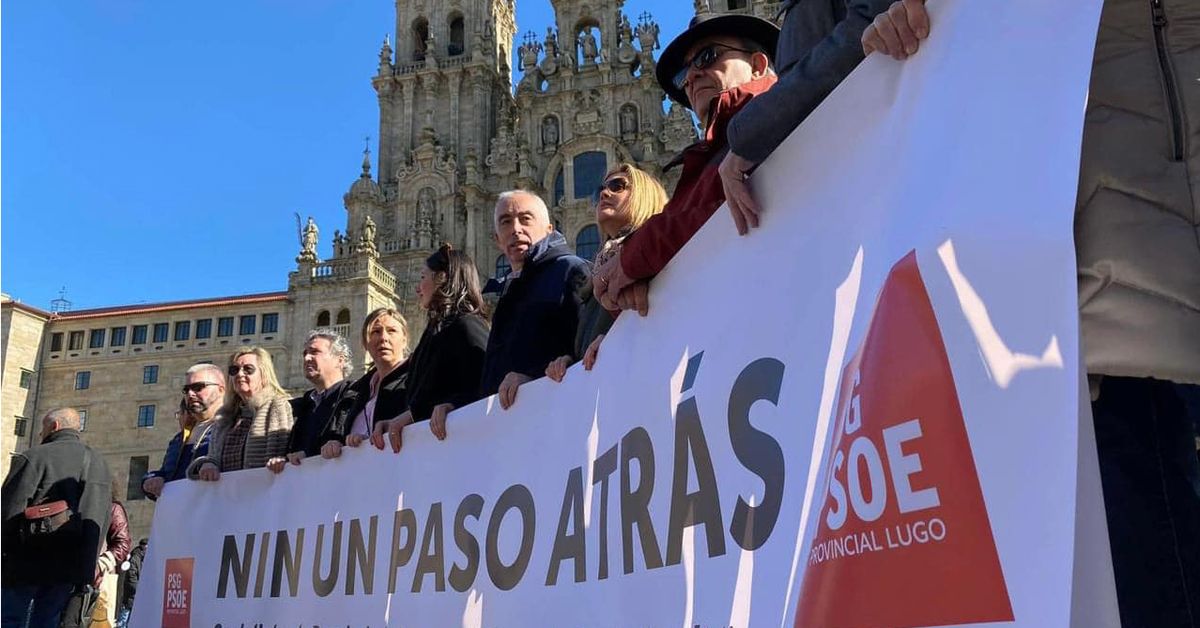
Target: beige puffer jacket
{"points": [[1136, 234]]}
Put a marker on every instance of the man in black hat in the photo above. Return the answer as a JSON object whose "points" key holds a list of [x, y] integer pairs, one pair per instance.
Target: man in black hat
{"points": [[715, 67], [818, 47]]}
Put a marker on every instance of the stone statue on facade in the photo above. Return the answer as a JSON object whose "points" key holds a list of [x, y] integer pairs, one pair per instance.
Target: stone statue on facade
{"points": [[308, 242], [629, 122], [366, 242], [625, 50], [550, 133], [426, 210], [587, 42], [550, 61], [649, 151]]}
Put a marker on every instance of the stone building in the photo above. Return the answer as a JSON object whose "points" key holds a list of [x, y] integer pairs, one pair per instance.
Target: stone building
{"points": [[453, 134]]}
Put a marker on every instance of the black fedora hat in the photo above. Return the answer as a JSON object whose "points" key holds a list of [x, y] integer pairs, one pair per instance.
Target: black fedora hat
{"points": [[758, 30]]}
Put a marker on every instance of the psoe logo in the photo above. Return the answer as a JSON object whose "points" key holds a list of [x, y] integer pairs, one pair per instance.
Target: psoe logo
{"points": [[177, 593]]}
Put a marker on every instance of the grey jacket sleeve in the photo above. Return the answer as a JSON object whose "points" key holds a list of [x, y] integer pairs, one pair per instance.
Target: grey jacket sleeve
{"points": [[808, 72]]}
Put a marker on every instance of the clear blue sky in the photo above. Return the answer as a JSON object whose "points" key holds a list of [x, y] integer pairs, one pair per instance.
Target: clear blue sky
{"points": [[154, 151]]}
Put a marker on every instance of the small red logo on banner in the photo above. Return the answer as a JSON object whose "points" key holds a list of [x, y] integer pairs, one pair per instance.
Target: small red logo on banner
{"points": [[177, 593], [903, 537]]}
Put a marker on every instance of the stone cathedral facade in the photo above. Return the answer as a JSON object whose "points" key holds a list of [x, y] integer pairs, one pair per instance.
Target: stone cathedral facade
{"points": [[453, 134]]}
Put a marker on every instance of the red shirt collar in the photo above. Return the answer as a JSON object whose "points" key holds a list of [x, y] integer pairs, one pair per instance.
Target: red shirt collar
{"points": [[727, 103]]}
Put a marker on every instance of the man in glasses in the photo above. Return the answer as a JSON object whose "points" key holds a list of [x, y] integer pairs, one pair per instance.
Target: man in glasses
{"points": [[203, 392], [715, 68], [818, 47]]}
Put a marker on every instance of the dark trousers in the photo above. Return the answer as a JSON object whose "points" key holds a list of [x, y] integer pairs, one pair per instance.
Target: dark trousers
{"points": [[33, 606], [1149, 468]]}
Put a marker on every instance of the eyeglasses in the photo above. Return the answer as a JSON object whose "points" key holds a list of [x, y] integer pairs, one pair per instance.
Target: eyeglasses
{"points": [[707, 56], [616, 185], [198, 387], [248, 369]]}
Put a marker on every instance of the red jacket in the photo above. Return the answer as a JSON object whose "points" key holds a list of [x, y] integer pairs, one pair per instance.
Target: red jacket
{"points": [[697, 195], [117, 540]]}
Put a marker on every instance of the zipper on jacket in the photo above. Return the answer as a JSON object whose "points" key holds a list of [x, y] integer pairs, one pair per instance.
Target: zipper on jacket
{"points": [[1168, 73]]}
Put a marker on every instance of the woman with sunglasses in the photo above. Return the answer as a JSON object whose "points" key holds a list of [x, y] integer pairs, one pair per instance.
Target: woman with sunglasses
{"points": [[254, 423], [378, 395], [446, 366], [627, 198]]}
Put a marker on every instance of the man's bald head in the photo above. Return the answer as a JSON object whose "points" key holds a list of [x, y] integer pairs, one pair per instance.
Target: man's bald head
{"points": [[60, 419]]}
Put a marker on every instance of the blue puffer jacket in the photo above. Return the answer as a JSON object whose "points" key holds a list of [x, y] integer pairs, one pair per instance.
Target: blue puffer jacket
{"points": [[180, 454], [536, 318]]}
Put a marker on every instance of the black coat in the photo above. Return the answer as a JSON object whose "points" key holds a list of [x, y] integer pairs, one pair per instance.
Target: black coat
{"points": [[312, 419], [392, 402], [447, 364], [538, 314], [593, 321], [49, 472]]}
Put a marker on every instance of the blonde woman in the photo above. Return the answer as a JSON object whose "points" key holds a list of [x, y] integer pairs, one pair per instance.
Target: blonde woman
{"points": [[380, 394], [627, 198], [254, 423]]}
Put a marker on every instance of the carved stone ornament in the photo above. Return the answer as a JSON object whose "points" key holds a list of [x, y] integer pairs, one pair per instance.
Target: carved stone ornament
{"points": [[588, 119], [550, 133]]}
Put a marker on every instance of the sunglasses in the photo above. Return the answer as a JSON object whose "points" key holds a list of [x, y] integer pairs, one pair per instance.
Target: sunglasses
{"points": [[616, 185], [707, 56], [197, 387], [248, 369]]}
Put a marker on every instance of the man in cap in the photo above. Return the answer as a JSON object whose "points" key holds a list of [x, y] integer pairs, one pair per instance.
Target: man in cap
{"points": [[818, 47], [715, 67]]}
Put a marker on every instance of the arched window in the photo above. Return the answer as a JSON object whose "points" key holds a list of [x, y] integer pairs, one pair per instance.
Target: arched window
{"points": [[559, 192], [323, 319], [457, 42], [343, 317], [589, 173], [587, 243], [502, 267], [420, 31]]}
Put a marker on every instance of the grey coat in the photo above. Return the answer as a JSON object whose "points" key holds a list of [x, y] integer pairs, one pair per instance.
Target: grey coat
{"points": [[1136, 235], [819, 45]]}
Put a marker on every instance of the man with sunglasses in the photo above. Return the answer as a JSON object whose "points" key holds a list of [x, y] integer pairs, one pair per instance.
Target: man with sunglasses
{"points": [[203, 392], [715, 68], [818, 48]]}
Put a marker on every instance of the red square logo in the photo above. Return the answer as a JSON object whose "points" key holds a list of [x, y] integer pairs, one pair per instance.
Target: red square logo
{"points": [[177, 593]]}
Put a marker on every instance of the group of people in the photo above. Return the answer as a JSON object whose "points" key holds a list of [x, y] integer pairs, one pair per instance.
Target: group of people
{"points": [[750, 84]]}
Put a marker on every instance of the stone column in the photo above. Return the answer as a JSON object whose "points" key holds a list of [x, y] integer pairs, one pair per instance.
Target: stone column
{"points": [[408, 112]]}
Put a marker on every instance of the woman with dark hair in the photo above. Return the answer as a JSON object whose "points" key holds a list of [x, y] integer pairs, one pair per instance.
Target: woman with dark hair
{"points": [[627, 198], [446, 366], [379, 394]]}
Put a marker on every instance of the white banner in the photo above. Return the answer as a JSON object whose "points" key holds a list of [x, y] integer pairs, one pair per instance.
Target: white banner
{"points": [[862, 414]]}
